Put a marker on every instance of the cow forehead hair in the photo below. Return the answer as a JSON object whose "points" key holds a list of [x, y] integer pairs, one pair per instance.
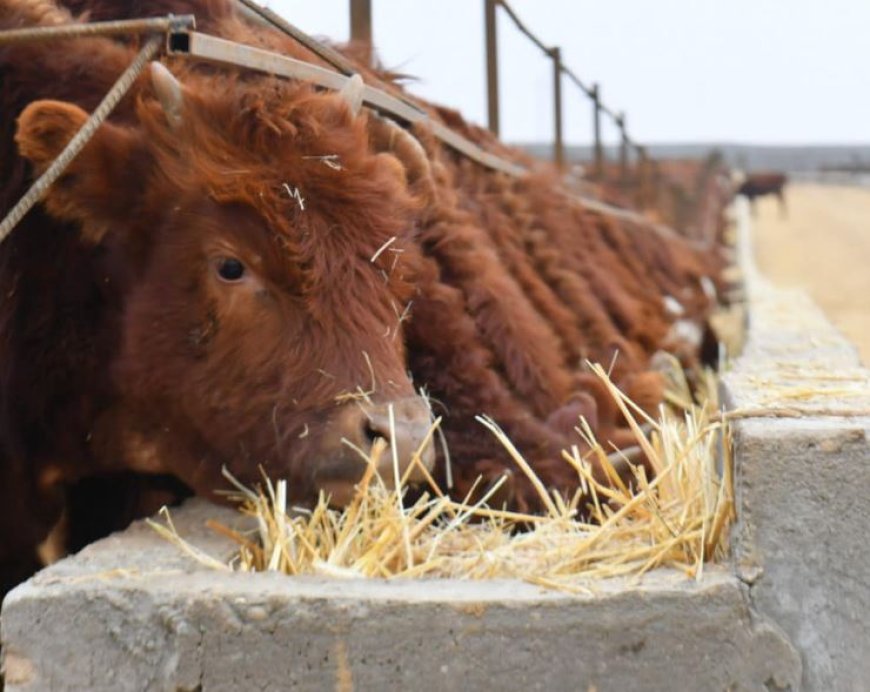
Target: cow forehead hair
{"points": [[297, 156]]}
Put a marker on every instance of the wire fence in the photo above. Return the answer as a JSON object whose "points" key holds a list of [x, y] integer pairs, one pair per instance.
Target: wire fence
{"points": [[182, 40], [636, 178], [361, 33]]}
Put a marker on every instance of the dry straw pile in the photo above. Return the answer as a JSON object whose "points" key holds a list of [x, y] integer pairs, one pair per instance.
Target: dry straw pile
{"points": [[677, 519]]}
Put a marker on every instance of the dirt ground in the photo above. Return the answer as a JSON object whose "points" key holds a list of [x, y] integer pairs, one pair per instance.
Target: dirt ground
{"points": [[823, 246]]}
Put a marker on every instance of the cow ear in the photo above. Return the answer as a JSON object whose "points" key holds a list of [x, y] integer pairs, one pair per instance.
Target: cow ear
{"points": [[95, 189]]}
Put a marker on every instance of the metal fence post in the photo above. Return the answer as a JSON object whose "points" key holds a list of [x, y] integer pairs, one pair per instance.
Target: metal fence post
{"points": [[657, 193], [623, 147], [596, 126], [489, 9], [642, 177], [558, 143], [361, 26]]}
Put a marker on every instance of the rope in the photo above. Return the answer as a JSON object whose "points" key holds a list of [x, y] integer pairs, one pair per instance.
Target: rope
{"points": [[131, 26], [549, 53], [546, 50], [569, 73], [77, 143]]}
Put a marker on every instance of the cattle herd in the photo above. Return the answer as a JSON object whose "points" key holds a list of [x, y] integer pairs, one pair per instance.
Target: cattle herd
{"points": [[246, 272]]}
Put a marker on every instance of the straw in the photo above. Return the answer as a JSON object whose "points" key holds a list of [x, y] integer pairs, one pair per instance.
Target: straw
{"points": [[678, 519]]}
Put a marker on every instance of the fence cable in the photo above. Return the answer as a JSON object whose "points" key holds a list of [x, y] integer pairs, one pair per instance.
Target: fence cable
{"points": [[567, 71]]}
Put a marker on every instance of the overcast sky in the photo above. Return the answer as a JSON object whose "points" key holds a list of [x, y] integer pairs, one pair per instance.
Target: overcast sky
{"points": [[749, 71]]}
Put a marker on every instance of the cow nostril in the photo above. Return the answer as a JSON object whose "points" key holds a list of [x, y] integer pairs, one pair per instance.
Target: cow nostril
{"points": [[372, 432], [404, 429]]}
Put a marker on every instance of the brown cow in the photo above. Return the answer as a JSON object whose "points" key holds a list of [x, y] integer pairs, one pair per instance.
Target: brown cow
{"points": [[198, 291], [762, 184], [242, 271]]}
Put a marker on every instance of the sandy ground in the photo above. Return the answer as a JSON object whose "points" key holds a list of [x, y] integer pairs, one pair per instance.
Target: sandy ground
{"points": [[823, 246]]}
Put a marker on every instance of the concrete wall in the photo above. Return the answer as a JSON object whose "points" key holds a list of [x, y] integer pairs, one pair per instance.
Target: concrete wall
{"points": [[803, 479], [132, 612]]}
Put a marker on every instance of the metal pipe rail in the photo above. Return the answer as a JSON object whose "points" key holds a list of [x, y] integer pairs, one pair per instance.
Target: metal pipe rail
{"points": [[152, 25], [321, 50], [338, 61], [403, 109], [221, 51], [181, 40]]}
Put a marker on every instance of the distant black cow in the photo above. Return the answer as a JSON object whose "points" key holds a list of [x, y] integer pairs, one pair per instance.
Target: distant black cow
{"points": [[761, 184]]}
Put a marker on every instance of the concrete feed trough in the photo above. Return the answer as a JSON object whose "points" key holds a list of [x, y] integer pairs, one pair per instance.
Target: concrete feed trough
{"points": [[791, 612], [163, 622]]}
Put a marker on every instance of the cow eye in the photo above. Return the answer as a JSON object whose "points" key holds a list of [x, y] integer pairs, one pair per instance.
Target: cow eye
{"points": [[230, 269]]}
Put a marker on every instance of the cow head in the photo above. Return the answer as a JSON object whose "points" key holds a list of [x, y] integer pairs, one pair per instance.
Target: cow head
{"points": [[263, 258]]}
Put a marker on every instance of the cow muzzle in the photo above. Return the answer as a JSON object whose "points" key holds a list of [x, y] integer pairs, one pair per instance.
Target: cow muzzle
{"points": [[405, 427]]}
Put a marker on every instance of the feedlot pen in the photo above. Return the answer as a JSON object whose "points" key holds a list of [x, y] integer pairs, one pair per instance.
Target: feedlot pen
{"points": [[133, 612]]}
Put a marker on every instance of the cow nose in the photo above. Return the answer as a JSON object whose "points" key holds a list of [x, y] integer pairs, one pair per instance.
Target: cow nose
{"points": [[410, 426]]}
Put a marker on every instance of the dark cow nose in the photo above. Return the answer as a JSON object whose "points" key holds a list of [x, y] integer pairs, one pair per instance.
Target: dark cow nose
{"points": [[409, 429], [341, 467]]}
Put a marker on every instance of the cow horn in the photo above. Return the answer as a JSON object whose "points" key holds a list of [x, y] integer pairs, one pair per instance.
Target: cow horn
{"points": [[352, 92], [169, 93]]}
